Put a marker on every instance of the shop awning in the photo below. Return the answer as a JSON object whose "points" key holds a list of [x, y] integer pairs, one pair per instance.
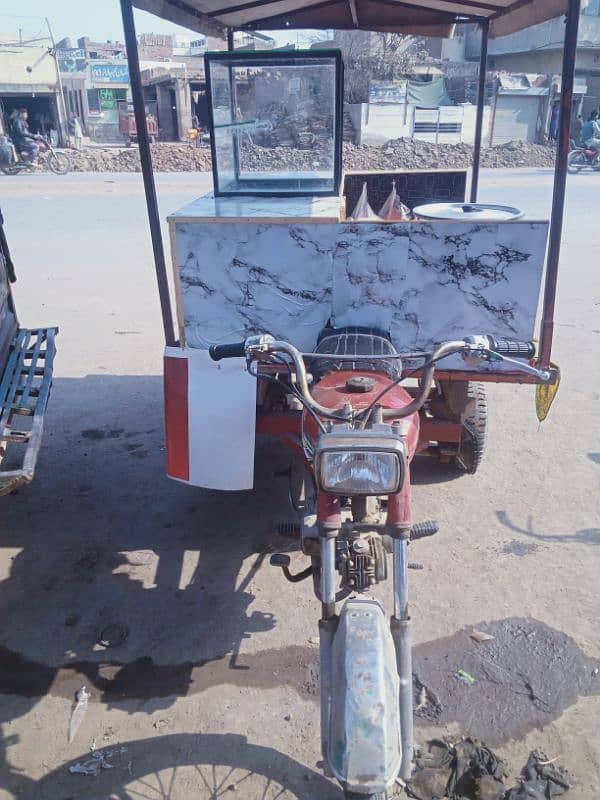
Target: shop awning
{"points": [[420, 17]]}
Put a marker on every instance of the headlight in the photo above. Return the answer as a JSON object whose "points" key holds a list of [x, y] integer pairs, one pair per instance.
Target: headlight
{"points": [[370, 462], [359, 472]]}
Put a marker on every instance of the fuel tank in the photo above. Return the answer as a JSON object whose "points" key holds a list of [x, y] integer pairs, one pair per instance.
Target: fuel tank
{"points": [[359, 389]]}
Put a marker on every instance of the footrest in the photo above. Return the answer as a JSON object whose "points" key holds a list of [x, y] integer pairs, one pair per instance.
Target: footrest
{"points": [[25, 387], [422, 529]]}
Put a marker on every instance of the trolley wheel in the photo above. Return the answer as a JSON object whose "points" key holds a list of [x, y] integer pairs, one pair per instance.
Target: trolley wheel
{"points": [[474, 433]]}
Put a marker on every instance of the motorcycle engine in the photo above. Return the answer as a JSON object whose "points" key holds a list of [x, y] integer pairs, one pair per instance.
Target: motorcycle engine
{"points": [[361, 561]]}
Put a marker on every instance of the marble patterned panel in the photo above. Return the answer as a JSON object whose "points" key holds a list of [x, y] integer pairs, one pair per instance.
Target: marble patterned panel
{"points": [[242, 279], [369, 274], [422, 282], [471, 279]]}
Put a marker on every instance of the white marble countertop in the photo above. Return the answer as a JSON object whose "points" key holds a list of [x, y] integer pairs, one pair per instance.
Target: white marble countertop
{"points": [[265, 209], [280, 210]]}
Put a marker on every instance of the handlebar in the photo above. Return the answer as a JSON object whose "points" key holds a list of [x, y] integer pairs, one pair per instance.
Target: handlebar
{"points": [[511, 349], [234, 350], [474, 349]]}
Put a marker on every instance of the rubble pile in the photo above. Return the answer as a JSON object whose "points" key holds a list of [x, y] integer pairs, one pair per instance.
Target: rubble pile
{"points": [[418, 154], [255, 158], [165, 158], [395, 154]]}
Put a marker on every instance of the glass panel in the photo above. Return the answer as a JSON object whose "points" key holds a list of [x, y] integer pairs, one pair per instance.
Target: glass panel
{"points": [[274, 124]]}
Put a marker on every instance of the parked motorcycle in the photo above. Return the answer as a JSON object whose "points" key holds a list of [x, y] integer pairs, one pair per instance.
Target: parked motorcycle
{"points": [[359, 434], [583, 158], [55, 160]]}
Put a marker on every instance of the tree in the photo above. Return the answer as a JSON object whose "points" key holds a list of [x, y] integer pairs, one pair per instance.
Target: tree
{"points": [[376, 56]]}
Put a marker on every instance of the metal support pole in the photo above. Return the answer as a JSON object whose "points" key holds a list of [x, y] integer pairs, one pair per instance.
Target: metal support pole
{"points": [[560, 181], [485, 32], [63, 125], [230, 42], [139, 108]]}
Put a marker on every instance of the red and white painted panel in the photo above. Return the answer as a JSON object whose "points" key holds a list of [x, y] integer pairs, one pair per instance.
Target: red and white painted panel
{"points": [[210, 418]]}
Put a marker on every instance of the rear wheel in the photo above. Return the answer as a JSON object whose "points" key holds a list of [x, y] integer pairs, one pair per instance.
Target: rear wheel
{"points": [[474, 433], [59, 163], [576, 161], [9, 169]]}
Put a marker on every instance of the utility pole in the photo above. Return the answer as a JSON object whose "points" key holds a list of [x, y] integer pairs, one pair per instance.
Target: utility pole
{"points": [[62, 106]]}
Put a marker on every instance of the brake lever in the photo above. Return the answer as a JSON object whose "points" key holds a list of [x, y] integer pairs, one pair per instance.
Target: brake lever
{"points": [[476, 352], [258, 345], [543, 374]]}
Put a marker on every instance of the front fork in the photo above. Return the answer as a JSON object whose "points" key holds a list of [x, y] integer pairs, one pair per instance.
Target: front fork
{"points": [[398, 521], [400, 627]]}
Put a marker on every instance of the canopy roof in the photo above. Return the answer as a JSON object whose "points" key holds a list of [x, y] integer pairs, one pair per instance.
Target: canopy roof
{"points": [[421, 17]]}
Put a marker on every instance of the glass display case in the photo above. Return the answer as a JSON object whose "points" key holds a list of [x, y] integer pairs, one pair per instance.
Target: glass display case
{"points": [[275, 122]]}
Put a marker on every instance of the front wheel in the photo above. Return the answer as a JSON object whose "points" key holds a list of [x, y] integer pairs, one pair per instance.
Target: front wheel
{"points": [[59, 163], [576, 161]]}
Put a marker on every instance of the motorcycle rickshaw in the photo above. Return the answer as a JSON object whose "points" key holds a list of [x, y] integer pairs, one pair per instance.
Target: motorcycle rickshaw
{"points": [[26, 365], [128, 128], [299, 319]]}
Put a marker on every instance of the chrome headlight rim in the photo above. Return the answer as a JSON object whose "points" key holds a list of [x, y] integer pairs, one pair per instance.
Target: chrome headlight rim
{"points": [[345, 489]]}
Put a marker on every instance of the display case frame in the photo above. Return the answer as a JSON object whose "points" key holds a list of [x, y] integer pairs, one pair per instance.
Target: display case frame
{"points": [[284, 58]]}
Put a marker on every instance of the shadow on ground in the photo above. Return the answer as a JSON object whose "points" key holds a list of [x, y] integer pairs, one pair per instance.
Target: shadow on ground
{"points": [[588, 536], [102, 538], [215, 765]]}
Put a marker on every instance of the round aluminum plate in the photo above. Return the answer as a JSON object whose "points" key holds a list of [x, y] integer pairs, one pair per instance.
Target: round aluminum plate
{"points": [[469, 212]]}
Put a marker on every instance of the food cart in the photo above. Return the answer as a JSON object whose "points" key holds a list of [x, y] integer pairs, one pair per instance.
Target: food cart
{"points": [[317, 305]]}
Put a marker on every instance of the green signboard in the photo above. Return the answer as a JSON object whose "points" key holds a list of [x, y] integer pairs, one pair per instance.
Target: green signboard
{"points": [[107, 99]]}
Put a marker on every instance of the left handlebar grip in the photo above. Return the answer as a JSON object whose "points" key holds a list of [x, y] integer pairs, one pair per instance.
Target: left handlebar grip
{"points": [[234, 350]]}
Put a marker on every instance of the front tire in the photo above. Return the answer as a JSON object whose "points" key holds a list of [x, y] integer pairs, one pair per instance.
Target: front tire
{"points": [[59, 163], [576, 161]]}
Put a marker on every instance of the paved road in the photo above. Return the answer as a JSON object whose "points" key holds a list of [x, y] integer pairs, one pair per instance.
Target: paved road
{"points": [[219, 665]]}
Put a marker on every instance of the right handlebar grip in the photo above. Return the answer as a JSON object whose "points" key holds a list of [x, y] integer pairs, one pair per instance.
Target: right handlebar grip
{"points": [[219, 351], [505, 347]]}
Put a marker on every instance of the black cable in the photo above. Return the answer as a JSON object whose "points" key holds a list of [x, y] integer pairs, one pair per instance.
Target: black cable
{"points": [[290, 388], [293, 388], [403, 377]]}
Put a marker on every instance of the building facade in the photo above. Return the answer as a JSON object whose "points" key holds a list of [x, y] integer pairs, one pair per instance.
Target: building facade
{"points": [[29, 78], [538, 50]]}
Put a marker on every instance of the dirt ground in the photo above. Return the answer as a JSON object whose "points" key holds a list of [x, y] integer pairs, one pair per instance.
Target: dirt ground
{"points": [[213, 692]]}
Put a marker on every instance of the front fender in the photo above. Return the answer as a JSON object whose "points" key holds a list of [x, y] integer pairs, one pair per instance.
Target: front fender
{"points": [[363, 737]]}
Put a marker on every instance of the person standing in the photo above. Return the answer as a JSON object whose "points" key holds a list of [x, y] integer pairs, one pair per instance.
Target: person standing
{"points": [[576, 129], [78, 134], [75, 130], [554, 122]]}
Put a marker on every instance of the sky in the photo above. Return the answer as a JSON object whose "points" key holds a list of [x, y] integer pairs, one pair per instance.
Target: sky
{"points": [[100, 20]]}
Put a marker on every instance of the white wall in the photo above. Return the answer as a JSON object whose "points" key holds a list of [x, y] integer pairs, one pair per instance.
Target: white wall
{"points": [[14, 62], [382, 122], [387, 121], [468, 128]]}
